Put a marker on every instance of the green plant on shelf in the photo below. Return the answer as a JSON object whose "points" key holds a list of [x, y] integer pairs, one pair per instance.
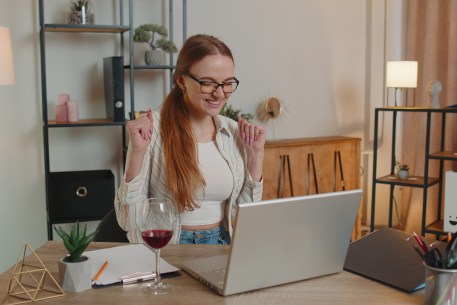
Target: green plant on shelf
{"points": [[230, 112], [401, 166], [146, 33], [80, 12], [79, 5]]}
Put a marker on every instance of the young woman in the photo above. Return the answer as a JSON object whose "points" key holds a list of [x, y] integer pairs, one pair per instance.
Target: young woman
{"points": [[206, 164]]}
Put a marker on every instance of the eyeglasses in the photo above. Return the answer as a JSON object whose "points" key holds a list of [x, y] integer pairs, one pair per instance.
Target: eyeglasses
{"points": [[209, 87]]}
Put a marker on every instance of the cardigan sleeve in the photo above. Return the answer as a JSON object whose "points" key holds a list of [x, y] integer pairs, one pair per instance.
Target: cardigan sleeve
{"points": [[130, 194]]}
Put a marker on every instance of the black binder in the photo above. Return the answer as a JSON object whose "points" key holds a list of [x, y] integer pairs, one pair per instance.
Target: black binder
{"points": [[388, 257], [113, 74]]}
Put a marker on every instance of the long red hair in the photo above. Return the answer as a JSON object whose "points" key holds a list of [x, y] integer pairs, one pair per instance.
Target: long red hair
{"points": [[183, 174]]}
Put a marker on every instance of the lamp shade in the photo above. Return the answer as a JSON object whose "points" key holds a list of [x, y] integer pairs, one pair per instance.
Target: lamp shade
{"points": [[6, 58], [401, 74]]}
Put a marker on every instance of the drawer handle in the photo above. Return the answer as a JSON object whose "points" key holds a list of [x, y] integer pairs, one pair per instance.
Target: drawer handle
{"points": [[81, 191]]}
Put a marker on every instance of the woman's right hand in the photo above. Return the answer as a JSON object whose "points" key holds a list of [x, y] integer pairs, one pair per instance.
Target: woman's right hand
{"points": [[140, 132]]}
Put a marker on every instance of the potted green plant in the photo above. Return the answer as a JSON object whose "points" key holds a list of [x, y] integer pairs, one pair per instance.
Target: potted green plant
{"points": [[402, 170], [81, 12], [229, 111], [74, 269], [156, 37]]}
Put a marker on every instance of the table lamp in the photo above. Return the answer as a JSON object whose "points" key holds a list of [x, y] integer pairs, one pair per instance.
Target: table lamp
{"points": [[401, 74], [6, 58]]}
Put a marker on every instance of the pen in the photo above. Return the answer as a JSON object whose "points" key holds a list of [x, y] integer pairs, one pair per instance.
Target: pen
{"points": [[137, 277], [100, 271], [420, 242], [421, 254], [427, 256]]}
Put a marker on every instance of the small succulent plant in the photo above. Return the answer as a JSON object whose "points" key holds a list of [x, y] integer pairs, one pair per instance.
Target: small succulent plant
{"points": [[75, 242], [80, 12], [79, 5], [400, 166]]}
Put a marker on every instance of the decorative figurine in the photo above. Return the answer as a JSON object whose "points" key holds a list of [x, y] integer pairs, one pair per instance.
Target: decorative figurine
{"points": [[433, 90]]}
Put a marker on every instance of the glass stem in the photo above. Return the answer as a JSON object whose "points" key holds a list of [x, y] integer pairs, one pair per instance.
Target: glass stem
{"points": [[158, 278]]}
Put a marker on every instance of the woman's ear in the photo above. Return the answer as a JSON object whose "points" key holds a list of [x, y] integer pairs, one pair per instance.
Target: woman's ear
{"points": [[180, 83]]}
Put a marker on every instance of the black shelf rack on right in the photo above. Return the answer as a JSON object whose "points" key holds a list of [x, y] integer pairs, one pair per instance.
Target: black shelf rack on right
{"points": [[423, 182]]}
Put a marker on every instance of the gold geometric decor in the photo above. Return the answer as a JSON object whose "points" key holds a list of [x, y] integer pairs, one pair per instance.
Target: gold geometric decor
{"points": [[31, 280]]}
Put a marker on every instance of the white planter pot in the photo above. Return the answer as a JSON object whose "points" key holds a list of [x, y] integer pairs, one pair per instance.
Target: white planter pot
{"points": [[154, 57], [403, 174], [75, 277]]}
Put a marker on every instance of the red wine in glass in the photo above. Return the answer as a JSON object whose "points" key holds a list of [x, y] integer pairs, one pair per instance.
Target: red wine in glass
{"points": [[156, 224], [157, 239]]}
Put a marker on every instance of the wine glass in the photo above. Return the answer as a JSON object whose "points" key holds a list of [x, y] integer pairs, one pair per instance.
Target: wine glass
{"points": [[156, 226]]}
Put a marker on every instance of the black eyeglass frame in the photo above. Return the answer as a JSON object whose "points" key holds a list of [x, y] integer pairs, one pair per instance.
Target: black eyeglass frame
{"points": [[201, 82]]}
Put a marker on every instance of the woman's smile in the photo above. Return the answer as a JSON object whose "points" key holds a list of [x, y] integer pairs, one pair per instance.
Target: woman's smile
{"points": [[214, 103]]}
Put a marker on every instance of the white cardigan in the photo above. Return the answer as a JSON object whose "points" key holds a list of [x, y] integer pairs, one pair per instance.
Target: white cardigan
{"points": [[151, 182]]}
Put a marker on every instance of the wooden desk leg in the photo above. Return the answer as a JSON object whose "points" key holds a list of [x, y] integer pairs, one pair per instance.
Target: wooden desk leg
{"points": [[290, 177], [341, 170], [338, 163], [281, 178], [283, 161], [311, 164]]}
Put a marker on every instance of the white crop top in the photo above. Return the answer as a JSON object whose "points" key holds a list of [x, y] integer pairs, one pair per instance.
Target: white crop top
{"points": [[219, 186]]}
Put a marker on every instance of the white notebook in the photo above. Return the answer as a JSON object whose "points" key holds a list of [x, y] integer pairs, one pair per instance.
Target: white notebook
{"points": [[134, 260]]}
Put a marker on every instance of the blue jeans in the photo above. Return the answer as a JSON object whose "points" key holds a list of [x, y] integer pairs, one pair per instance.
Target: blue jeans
{"points": [[216, 236]]}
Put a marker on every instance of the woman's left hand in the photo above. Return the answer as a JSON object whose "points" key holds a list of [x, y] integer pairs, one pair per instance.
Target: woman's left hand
{"points": [[253, 138]]}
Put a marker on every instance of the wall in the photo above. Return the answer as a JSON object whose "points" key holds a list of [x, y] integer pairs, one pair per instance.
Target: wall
{"points": [[321, 58], [309, 54], [22, 209], [391, 47]]}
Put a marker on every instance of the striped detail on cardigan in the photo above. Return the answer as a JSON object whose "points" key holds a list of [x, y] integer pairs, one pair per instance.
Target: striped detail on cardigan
{"points": [[151, 182]]}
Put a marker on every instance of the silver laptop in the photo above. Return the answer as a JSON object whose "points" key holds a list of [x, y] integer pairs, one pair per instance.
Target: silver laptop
{"points": [[281, 241]]}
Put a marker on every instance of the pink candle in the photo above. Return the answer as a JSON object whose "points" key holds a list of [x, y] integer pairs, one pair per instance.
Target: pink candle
{"points": [[61, 113], [73, 112], [62, 99]]}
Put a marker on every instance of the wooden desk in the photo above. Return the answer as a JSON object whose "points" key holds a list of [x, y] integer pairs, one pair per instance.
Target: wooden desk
{"points": [[341, 288]]}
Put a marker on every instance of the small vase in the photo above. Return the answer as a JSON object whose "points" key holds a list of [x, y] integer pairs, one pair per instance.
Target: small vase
{"points": [[153, 57], [403, 174], [75, 277], [81, 12]]}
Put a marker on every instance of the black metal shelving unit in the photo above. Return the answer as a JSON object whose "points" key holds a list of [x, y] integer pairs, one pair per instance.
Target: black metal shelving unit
{"points": [[119, 30], [170, 67], [423, 182]]}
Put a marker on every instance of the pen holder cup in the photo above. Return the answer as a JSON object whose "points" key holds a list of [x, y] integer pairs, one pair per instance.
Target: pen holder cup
{"points": [[440, 286]]}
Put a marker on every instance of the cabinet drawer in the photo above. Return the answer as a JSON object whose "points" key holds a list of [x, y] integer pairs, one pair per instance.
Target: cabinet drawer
{"points": [[80, 195]]}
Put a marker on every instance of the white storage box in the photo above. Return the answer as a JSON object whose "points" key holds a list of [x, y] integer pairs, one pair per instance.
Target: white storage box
{"points": [[450, 202]]}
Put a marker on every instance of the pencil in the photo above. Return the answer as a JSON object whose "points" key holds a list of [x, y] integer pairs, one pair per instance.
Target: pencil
{"points": [[100, 271]]}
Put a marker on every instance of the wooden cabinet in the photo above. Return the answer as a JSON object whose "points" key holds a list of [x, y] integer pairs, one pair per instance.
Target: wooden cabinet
{"points": [[326, 166], [288, 168]]}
